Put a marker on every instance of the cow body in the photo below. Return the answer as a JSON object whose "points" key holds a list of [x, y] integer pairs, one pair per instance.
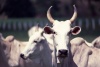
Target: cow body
{"points": [[12, 49], [81, 55], [50, 42]]}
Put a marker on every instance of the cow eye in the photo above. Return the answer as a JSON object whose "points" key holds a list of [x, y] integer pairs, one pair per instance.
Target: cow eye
{"points": [[55, 33], [35, 41]]}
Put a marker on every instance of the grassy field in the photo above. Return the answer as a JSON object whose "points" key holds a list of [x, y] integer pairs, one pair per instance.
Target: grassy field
{"points": [[23, 35]]}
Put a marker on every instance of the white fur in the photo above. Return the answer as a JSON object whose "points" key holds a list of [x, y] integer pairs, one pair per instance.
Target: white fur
{"points": [[61, 36]]}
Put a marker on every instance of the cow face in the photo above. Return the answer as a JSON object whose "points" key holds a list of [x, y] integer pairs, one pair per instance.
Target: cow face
{"points": [[61, 31], [32, 45]]}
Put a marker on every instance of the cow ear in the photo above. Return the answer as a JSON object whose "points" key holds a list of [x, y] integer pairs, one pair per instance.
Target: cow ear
{"points": [[48, 30], [10, 38], [1, 36], [76, 30]]}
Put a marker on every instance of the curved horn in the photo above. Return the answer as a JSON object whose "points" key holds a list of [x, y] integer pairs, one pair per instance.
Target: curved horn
{"points": [[74, 15], [49, 15]]}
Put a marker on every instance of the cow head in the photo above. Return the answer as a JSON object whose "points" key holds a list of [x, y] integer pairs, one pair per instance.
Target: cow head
{"points": [[33, 43], [11, 50], [62, 31], [6, 43]]}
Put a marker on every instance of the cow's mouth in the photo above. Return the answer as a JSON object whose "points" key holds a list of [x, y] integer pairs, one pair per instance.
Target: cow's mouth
{"points": [[63, 55], [23, 57]]}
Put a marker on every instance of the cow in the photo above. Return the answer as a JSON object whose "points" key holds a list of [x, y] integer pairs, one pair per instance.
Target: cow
{"points": [[12, 49], [61, 31], [48, 38], [38, 50], [59, 34], [82, 55]]}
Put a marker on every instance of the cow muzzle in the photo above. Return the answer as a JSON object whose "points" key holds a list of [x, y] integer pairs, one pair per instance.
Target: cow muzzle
{"points": [[22, 56], [63, 53]]}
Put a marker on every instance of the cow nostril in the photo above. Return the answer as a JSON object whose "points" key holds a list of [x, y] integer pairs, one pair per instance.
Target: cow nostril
{"points": [[63, 53], [22, 56]]}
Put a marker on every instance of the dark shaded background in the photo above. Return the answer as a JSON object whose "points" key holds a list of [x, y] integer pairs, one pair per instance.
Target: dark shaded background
{"points": [[17, 16], [38, 8]]}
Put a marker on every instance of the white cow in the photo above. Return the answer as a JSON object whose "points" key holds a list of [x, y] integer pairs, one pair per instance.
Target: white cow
{"points": [[38, 49], [82, 55], [59, 34], [61, 31]]}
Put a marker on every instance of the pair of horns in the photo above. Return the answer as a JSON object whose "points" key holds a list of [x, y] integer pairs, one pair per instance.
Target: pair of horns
{"points": [[52, 20]]}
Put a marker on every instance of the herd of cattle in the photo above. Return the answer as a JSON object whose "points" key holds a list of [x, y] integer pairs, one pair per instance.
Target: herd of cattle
{"points": [[50, 47]]}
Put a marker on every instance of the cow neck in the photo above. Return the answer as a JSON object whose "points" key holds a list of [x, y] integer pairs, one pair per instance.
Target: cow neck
{"points": [[37, 56], [46, 53], [54, 54], [70, 57], [51, 44]]}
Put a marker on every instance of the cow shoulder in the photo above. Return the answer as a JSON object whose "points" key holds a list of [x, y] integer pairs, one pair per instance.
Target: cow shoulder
{"points": [[22, 45], [77, 41]]}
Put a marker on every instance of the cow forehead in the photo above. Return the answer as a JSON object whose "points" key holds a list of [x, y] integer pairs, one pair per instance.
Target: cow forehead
{"points": [[62, 26], [35, 36]]}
